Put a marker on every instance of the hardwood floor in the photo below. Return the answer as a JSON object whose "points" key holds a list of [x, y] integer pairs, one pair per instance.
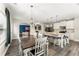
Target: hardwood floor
{"points": [[69, 50], [13, 49]]}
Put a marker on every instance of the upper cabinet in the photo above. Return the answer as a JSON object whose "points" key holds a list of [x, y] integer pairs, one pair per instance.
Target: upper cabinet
{"points": [[68, 24]]}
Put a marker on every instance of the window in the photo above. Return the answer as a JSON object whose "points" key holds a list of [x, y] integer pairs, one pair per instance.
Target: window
{"points": [[49, 28], [62, 29], [37, 27]]}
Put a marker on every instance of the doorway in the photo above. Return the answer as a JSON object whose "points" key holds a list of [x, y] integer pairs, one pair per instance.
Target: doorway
{"points": [[24, 30], [8, 27]]}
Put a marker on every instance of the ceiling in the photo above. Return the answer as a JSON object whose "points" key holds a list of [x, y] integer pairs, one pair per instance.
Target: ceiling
{"points": [[43, 12]]}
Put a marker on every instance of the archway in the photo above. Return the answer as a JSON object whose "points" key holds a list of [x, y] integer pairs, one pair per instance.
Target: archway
{"points": [[8, 26]]}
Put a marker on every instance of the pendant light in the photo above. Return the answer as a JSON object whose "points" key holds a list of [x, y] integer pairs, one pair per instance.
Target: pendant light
{"points": [[31, 6]]}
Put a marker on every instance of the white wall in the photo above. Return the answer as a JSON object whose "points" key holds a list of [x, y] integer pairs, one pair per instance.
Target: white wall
{"points": [[16, 23], [3, 49], [76, 25], [3, 36]]}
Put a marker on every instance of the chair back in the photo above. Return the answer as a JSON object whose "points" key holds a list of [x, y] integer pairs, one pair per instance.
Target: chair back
{"points": [[40, 46], [39, 35]]}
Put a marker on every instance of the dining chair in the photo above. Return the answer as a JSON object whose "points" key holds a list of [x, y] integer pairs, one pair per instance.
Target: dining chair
{"points": [[61, 41], [57, 40], [64, 40], [20, 47], [39, 35], [40, 49]]}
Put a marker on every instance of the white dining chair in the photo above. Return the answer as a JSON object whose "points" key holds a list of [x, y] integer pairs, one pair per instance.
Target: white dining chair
{"points": [[40, 35], [64, 40], [67, 37], [61, 41], [58, 40], [40, 49], [41, 46]]}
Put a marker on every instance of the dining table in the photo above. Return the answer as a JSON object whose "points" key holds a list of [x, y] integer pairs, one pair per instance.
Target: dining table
{"points": [[57, 37], [50, 35], [28, 42]]}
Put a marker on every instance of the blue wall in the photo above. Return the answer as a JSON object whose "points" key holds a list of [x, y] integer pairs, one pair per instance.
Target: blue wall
{"points": [[24, 28]]}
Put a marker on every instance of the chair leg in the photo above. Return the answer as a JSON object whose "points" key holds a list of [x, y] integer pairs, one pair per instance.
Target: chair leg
{"points": [[67, 41], [61, 44], [55, 42], [47, 49], [20, 50]]}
